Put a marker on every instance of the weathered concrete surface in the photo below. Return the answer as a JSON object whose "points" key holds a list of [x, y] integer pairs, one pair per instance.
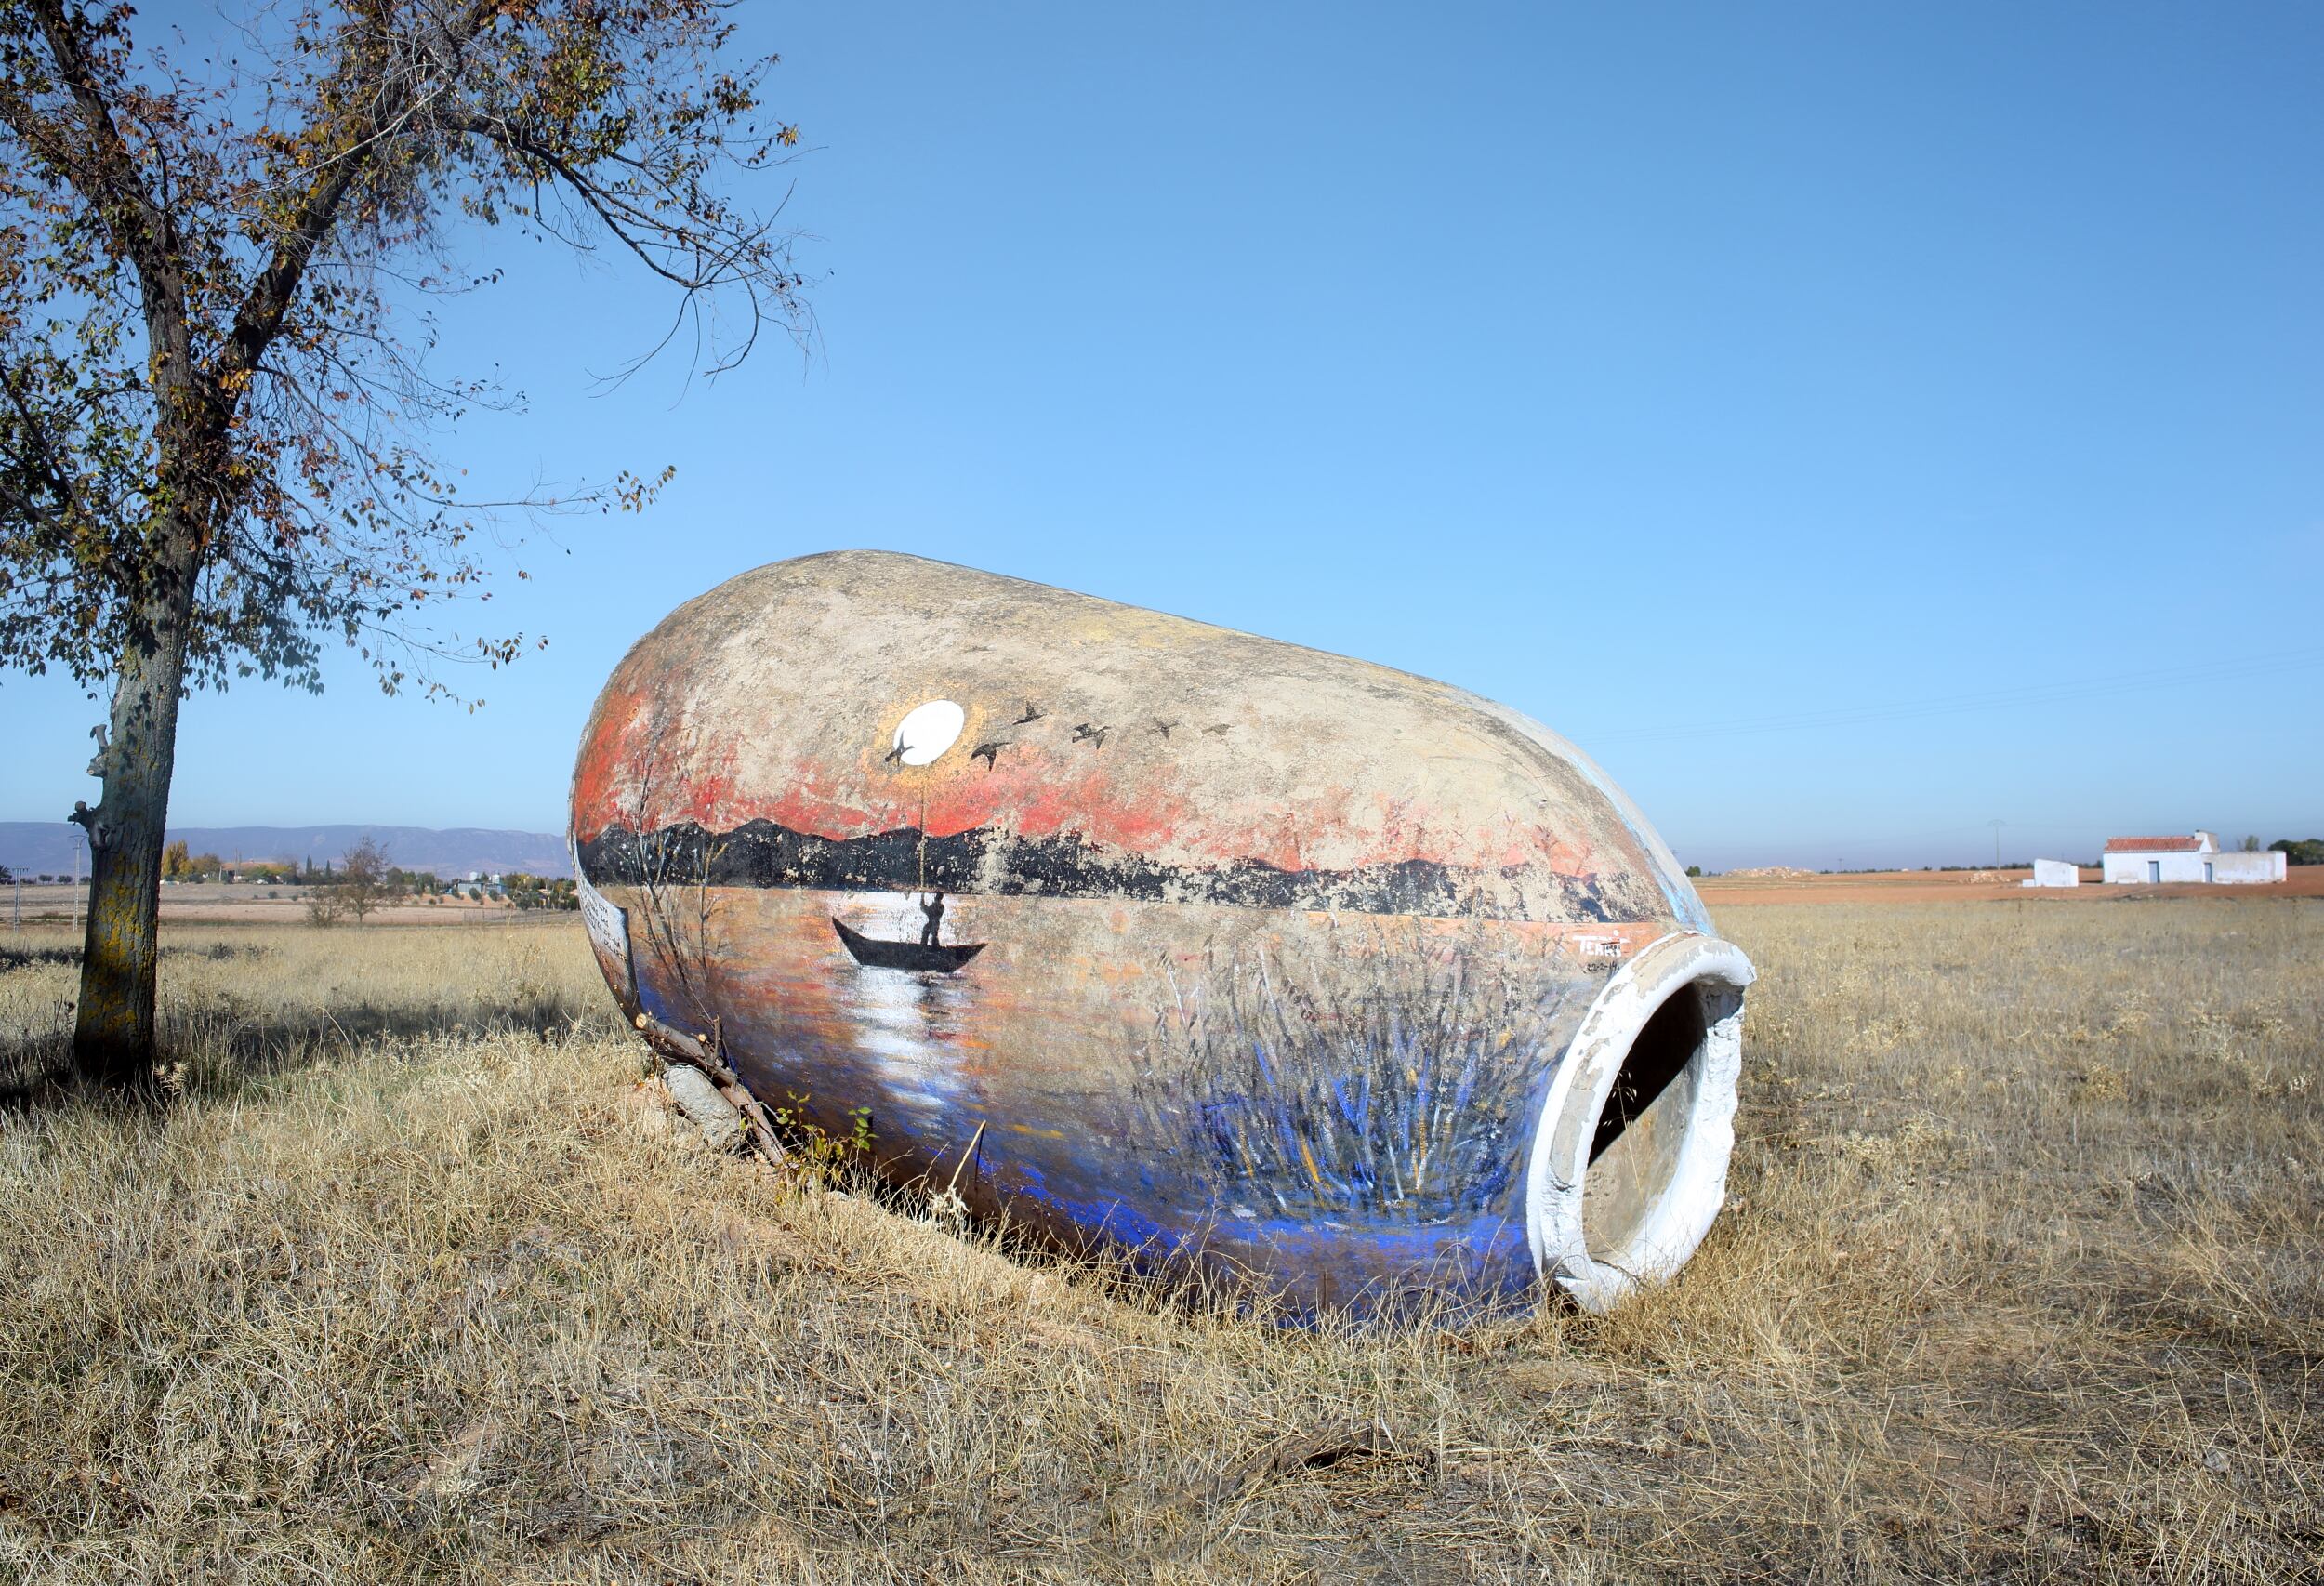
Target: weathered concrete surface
{"points": [[1247, 955]]}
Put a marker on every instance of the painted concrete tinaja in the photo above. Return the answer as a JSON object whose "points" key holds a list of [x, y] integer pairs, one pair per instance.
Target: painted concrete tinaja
{"points": [[1151, 935]]}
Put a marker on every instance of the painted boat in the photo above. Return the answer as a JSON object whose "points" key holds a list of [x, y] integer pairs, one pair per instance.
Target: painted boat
{"points": [[1288, 968], [877, 954]]}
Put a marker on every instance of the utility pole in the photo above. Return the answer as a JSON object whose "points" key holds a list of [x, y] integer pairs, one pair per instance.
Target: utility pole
{"points": [[1997, 827]]}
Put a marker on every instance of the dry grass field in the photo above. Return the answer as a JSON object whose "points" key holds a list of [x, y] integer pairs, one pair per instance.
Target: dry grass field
{"points": [[2021, 1279], [208, 902]]}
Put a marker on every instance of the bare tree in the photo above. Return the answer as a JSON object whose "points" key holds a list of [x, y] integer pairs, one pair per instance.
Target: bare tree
{"points": [[362, 883], [218, 414], [677, 907]]}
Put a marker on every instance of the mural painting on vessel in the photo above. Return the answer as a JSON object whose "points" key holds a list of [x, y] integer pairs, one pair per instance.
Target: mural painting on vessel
{"points": [[1198, 945]]}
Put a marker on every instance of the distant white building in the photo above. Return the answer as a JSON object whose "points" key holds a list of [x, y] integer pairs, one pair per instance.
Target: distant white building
{"points": [[2054, 873], [2129, 861]]}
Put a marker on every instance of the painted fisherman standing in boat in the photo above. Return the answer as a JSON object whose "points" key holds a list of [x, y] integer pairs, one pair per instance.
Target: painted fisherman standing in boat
{"points": [[934, 909]]}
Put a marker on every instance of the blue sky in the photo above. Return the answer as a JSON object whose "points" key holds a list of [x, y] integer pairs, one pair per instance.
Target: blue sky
{"points": [[1852, 424]]}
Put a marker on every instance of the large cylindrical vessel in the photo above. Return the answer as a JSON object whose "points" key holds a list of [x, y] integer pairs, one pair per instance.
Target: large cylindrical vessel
{"points": [[1151, 935]]}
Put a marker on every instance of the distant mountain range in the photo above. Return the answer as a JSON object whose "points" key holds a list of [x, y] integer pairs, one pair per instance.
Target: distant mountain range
{"points": [[49, 846]]}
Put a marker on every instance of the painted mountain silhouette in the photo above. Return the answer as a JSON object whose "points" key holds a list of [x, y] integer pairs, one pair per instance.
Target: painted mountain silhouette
{"points": [[764, 854]]}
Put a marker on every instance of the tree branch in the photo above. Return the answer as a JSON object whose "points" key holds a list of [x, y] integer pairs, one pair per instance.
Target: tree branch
{"points": [[38, 458], [271, 296], [116, 170]]}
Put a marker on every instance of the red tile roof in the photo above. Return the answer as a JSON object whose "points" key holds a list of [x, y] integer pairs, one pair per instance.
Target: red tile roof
{"points": [[2154, 844]]}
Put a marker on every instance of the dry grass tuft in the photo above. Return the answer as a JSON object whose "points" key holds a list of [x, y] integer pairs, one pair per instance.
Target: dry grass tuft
{"points": [[2022, 1279]]}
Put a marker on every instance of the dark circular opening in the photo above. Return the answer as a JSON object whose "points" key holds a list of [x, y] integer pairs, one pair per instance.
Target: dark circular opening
{"points": [[1641, 1132]]}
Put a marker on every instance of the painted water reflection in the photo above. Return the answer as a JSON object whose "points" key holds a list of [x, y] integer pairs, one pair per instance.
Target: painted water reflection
{"points": [[1343, 1102], [910, 1023]]}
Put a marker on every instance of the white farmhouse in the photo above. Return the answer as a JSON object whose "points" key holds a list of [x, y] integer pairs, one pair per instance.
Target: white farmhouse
{"points": [[2054, 873], [2153, 860]]}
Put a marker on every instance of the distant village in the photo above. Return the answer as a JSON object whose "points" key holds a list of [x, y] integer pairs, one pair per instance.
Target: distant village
{"points": [[517, 889]]}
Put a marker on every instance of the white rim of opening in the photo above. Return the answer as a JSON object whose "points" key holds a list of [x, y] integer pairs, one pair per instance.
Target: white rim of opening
{"points": [[1682, 1213]]}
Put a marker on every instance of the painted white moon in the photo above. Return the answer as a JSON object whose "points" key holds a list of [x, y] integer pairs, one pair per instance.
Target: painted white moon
{"points": [[929, 731]]}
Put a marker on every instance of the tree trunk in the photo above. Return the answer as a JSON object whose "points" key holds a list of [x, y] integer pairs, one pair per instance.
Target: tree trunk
{"points": [[113, 1031]]}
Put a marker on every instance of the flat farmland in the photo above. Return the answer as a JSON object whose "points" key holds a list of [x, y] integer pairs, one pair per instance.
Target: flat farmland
{"points": [[1881, 887], [2020, 1279], [211, 903]]}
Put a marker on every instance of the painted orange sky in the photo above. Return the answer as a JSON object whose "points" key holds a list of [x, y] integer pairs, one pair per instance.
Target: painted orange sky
{"points": [[626, 777]]}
